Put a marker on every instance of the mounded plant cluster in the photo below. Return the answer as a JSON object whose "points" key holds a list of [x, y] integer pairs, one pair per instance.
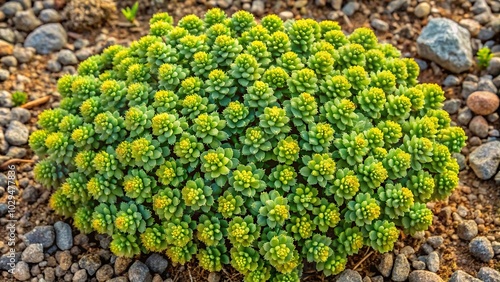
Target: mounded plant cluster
{"points": [[260, 145]]}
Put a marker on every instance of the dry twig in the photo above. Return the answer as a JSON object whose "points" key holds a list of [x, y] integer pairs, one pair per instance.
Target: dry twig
{"points": [[362, 260], [37, 102], [14, 161]]}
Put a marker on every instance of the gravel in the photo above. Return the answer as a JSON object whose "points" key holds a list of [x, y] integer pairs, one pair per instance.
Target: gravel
{"points": [[33, 253], [64, 259], [17, 133], [20, 114], [67, 57], [467, 230], [451, 106], [433, 262], [26, 21], [446, 43], [121, 265], [157, 263], [422, 10], [47, 38], [41, 234], [380, 25], [64, 235], [479, 126], [488, 274], [49, 16], [485, 159], [349, 275], [22, 271], [462, 276], [90, 262], [494, 67], [385, 265], [80, 276], [350, 8], [396, 5], [401, 268], [480, 247], [424, 276], [23, 55], [4, 75], [139, 272], [435, 241], [418, 265], [10, 9], [104, 273]]}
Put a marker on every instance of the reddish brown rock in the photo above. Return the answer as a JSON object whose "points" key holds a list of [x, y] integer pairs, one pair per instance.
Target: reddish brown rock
{"points": [[5, 48], [483, 102]]}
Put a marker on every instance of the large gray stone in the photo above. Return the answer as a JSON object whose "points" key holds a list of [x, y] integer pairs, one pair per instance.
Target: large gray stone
{"points": [[424, 276], [480, 247], [47, 38], [41, 234], [349, 276], [139, 272], [17, 133], [446, 43], [485, 159], [462, 276], [487, 274]]}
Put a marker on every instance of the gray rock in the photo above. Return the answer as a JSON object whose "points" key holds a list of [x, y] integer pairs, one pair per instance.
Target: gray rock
{"points": [[90, 262], [401, 268], [20, 114], [118, 279], [6, 260], [350, 8], [451, 106], [25, 3], [418, 265], [468, 87], [422, 10], [462, 276], [385, 265], [464, 116], [258, 7], [104, 273], [3, 180], [22, 271], [224, 4], [64, 236], [41, 234], [446, 43], [433, 262], [54, 66], [17, 133], [496, 245], [451, 80], [424, 276], [480, 247], [407, 251], [479, 126], [379, 24], [157, 263], [4, 146], [497, 178], [80, 276], [483, 19], [83, 54], [349, 276], [49, 16], [467, 230], [67, 57], [23, 55], [17, 153], [395, 5], [435, 241], [471, 25], [47, 38], [26, 21], [8, 35], [486, 84], [485, 159], [480, 6], [5, 99], [4, 75], [486, 34], [488, 274], [336, 4], [139, 272], [9, 61], [33, 253], [10, 9], [460, 160]]}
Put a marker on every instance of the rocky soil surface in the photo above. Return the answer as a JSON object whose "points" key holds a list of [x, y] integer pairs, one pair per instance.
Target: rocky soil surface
{"points": [[37, 46]]}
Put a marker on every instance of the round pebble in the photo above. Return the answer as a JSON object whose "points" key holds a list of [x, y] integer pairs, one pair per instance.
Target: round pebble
{"points": [[483, 102]]}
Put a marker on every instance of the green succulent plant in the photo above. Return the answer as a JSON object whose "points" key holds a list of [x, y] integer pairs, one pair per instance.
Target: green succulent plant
{"points": [[260, 145]]}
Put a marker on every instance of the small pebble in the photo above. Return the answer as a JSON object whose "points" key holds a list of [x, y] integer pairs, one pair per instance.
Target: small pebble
{"points": [[422, 10], [480, 247]]}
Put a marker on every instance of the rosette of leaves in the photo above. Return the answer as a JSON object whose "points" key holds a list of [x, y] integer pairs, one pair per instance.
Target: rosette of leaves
{"points": [[211, 230], [109, 127], [280, 252], [351, 147], [283, 177], [326, 215], [418, 218], [229, 205], [452, 137], [197, 195], [153, 238], [242, 231], [147, 153], [83, 162], [339, 113], [319, 169], [255, 144], [244, 259], [165, 101], [262, 273], [179, 231], [171, 173], [106, 163], [362, 210], [181, 255], [344, 186], [104, 189], [445, 183], [303, 80], [188, 149], [334, 265], [259, 96], [166, 127], [83, 218], [317, 249], [170, 76], [421, 184], [139, 186], [209, 129], [349, 240], [132, 218], [371, 101], [287, 150], [397, 162], [216, 164], [303, 108], [381, 235], [125, 245], [336, 86], [138, 120], [236, 115], [274, 210], [75, 188], [167, 203], [371, 174], [62, 204], [290, 62], [302, 227], [212, 258], [395, 199], [60, 147], [303, 198], [220, 86], [247, 180]]}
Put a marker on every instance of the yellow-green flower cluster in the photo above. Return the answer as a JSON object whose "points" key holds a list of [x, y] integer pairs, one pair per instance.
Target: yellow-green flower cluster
{"points": [[257, 144]]}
